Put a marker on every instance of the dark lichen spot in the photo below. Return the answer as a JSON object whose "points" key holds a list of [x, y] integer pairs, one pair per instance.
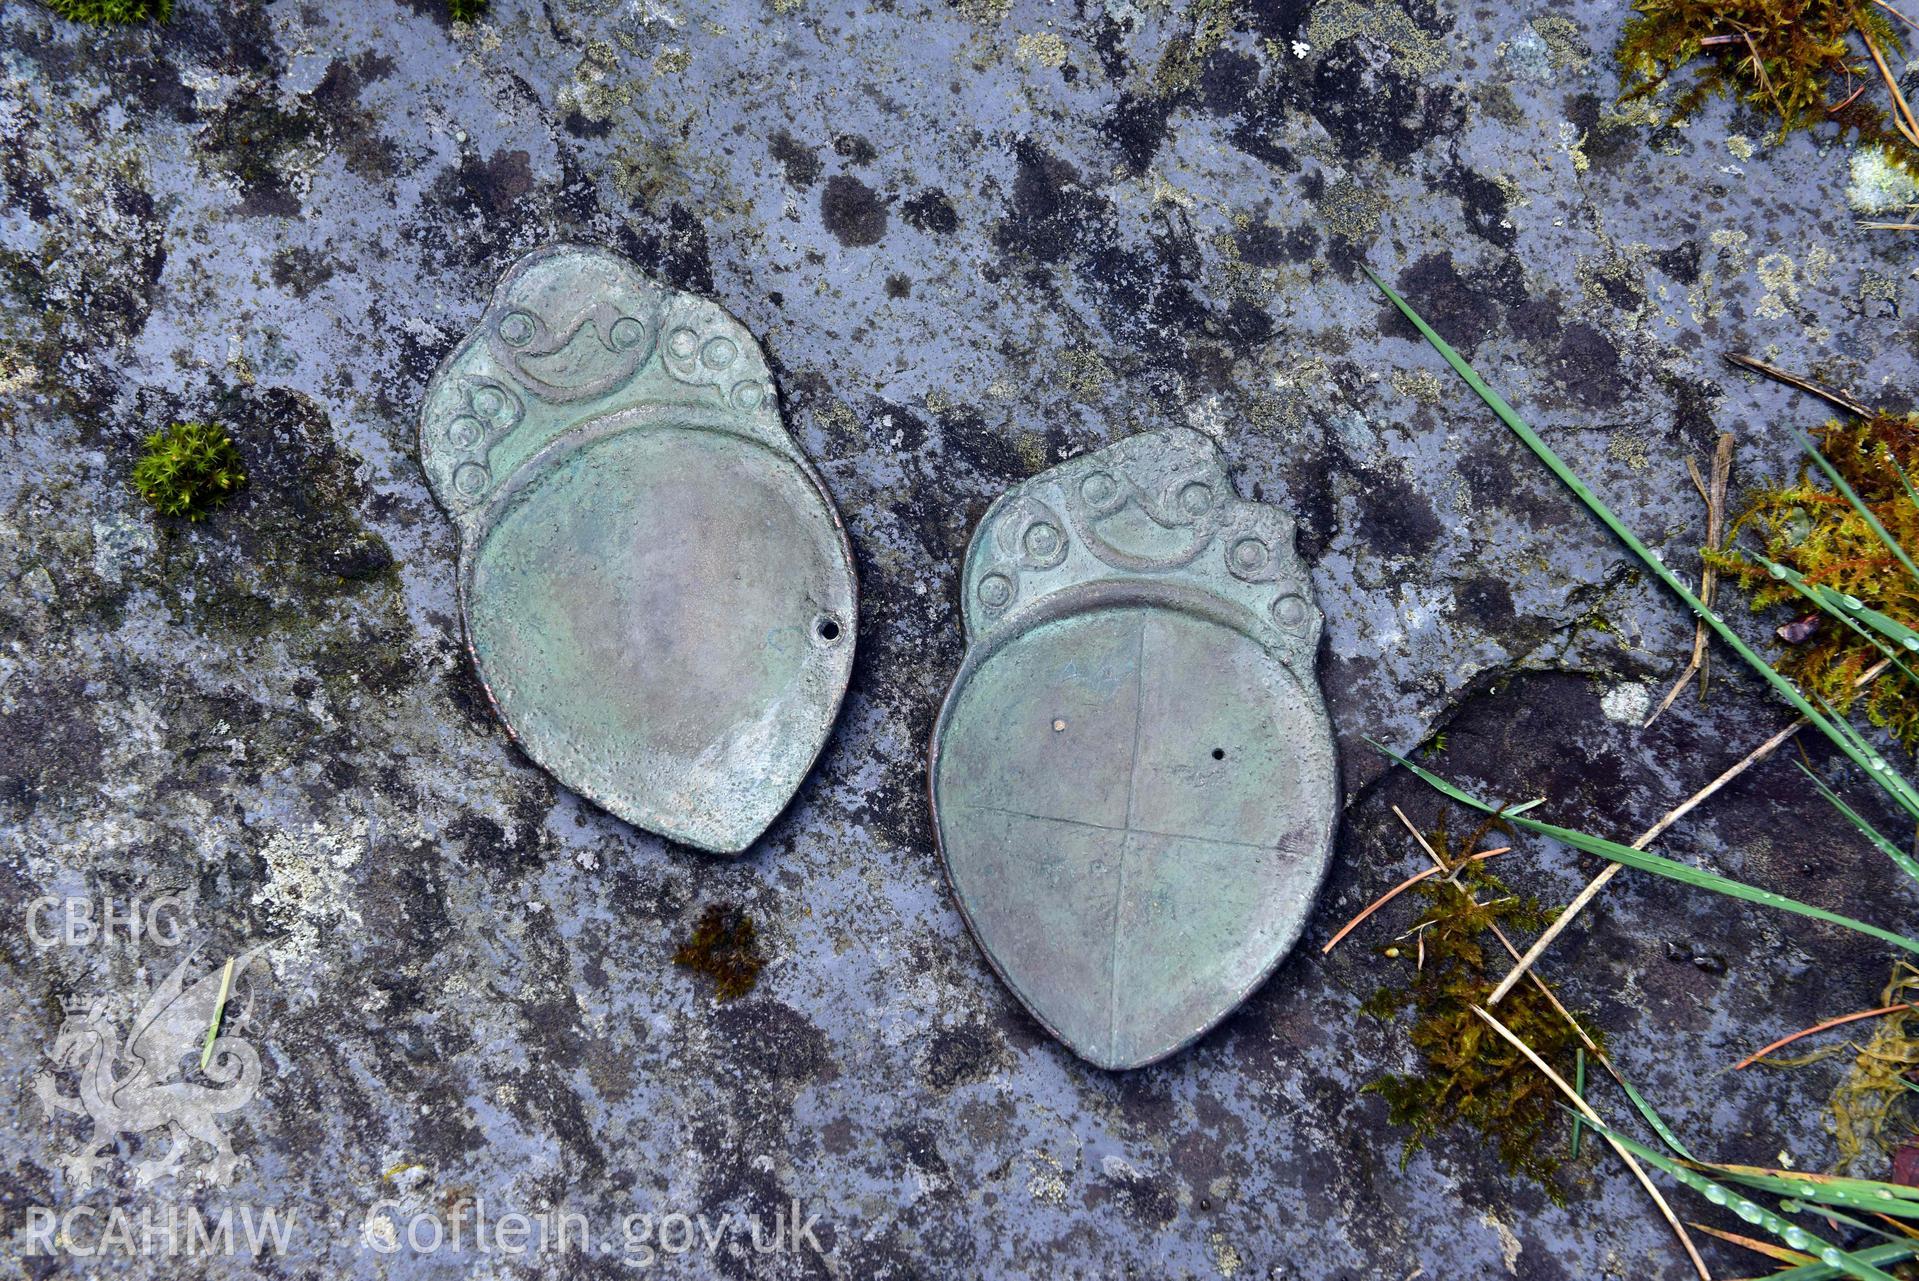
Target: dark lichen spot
{"points": [[725, 947], [1135, 127], [1681, 262], [1485, 205], [898, 286], [852, 211], [1586, 366], [855, 149], [800, 162], [1371, 109], [1465, 312], [1603, 139], [931, 211], [1050, 205], [251, 141], [960, 1055], [300, 270], [1397, 519]]}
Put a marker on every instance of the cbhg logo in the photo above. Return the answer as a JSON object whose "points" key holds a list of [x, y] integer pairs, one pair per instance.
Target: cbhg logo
{"points": [[142, 1086], [75, 922]]}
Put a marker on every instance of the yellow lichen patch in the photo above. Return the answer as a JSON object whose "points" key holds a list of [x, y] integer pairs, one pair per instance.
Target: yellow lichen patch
{"points": [[1042, 47], [1084, 373], [1349, 210], [1422, 385], [1412, 49]]}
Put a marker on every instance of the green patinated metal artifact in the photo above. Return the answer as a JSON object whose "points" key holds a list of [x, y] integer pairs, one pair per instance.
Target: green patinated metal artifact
{"points": [[656, 588], [1133, 777]]}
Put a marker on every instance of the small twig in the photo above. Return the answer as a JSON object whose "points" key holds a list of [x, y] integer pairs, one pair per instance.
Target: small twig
{"points": [[1895, 13], [1849, 99], [1902, 117], [1438, 862], [1714, 497], [1806, 385], [1395, 892], [1890, 226], [1611, 870], [1756, 1055], [1759, 66], [1584, 1107]]}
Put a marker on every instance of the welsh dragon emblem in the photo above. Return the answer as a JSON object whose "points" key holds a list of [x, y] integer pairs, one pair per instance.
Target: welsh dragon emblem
{"points": [[144, 1086]]}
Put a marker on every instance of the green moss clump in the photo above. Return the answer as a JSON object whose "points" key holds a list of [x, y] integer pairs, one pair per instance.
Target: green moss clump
{"points": [[112, 13], [1469, 1073], [188, 469], [726, 948], [1810, 527], [465, 10], [1797, 60]]}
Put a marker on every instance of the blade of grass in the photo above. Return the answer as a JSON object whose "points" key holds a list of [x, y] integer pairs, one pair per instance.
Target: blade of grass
{"points": [[219, 1008], [1672, 869], [1906, 863], [1792, 1234], [1892, 1252], [1767, 1248], [1784, 688], [1579, 1088], [1870, 1195]]}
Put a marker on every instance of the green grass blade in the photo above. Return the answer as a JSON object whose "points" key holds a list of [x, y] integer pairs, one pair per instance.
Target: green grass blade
{"points": [[1876, 1254], [1783, 687], [1657, 1122], [1865, 512], [1905, 862], [1672, 869], [1579, 1088], [1905, 484], [1852, 1265], [1852, 1194]]}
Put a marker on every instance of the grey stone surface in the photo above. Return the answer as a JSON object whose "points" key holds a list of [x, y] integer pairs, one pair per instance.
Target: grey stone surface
{"points": [[974, 241]]}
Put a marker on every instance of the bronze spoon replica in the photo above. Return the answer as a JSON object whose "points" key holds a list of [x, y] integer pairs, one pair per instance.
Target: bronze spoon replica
{"points": [[656, 589], [1133, 777]]}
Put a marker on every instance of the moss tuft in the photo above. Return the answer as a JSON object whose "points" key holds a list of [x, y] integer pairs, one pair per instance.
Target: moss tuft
{"points": [[1799, 61], [465, 10], [726, 948], [1810, 527], [112, 13], [1469, 1073], [188, 469]]}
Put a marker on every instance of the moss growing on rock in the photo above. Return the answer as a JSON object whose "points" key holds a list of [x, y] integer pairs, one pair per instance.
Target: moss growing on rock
{"points": [[188, 469], [1468, 1072], [112, 13], [1800, 61], [1809, 527], [726, 948]]}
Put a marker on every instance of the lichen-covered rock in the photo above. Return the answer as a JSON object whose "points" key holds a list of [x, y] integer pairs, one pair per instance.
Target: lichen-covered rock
{"points": [[975, 240]]}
